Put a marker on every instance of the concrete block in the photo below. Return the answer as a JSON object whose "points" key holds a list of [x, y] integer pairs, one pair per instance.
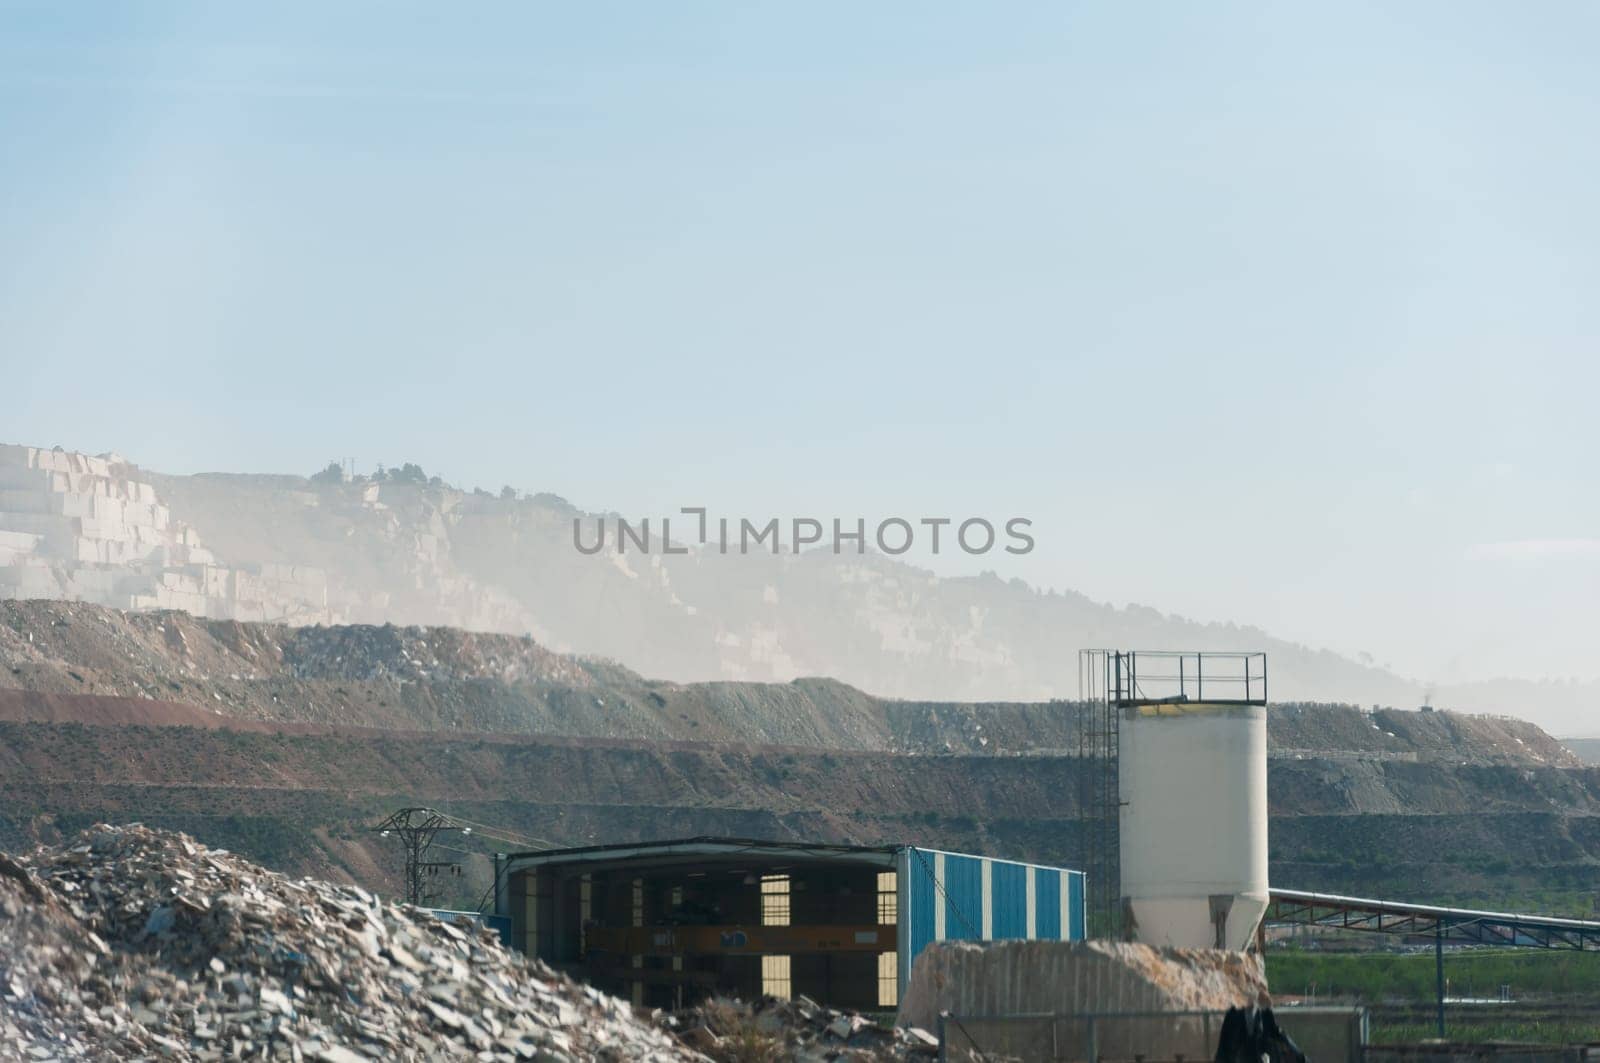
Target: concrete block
{"points": [[21, 478], [38, 523], [1080, 977], [218, 582], [30, 581], [24, 542], [13, 500]]}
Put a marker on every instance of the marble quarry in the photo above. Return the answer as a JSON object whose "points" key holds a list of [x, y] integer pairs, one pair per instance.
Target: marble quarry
{"points": [[86, 528]]}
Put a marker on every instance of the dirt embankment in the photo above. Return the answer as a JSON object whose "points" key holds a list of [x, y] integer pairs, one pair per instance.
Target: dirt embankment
{"points": [[300, 800], [442, 679], [32, 706], [1447, 736]]}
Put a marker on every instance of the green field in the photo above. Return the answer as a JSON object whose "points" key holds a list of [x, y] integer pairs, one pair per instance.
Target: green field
{"points": [[1556, 994], [1376, 977], [1521, 1032]]}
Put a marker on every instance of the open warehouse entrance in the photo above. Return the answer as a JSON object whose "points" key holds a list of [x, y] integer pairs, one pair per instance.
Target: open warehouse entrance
{"points": [[665, 924]]}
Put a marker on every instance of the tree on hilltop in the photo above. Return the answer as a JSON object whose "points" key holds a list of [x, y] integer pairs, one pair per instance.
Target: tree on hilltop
{"points": [[333, 474]]}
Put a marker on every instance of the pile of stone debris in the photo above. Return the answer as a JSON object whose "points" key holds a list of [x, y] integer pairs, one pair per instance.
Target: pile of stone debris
{"points": [[135, 943], [802, 1029]]}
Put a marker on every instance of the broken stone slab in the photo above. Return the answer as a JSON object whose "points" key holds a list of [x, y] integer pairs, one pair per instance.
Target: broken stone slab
{"points": [[112, 963]]}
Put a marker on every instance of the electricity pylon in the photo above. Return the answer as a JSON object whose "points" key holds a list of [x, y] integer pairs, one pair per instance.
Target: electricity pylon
{"points": [[416, 828]]}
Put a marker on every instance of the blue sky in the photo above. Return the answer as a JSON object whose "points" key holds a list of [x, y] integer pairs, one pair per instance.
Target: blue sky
{"points": [[1259, 312]]}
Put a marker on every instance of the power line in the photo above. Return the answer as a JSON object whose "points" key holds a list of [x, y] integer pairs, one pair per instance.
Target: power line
{"points": [[501, 834], [416, 829]]}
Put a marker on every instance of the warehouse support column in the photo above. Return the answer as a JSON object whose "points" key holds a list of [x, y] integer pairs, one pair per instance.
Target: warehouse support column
{"points": [[1438, 969]]}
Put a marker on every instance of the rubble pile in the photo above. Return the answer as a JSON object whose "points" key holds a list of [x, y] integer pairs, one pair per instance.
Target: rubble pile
{"points": [[362, 652], [802, 1030], [402, 678], [135, 943]]}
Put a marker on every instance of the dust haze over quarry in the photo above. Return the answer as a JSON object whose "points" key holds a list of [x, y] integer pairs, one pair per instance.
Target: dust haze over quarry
{"points": [[411, 551], [283, 742], [451, 649], [76, 663]]}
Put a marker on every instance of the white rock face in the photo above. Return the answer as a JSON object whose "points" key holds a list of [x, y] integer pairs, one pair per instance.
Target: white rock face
{"points": [[86, 528]]}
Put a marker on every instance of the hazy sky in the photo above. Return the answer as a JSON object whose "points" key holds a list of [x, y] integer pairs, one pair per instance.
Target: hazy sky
{"points": [[1259, 313]]}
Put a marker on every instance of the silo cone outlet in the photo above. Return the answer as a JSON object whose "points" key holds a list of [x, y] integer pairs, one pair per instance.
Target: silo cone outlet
{"points": [[1193, 823], [1220, 921]]}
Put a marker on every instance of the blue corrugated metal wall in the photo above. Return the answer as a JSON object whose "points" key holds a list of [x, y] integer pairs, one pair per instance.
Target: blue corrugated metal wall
{"points": [[1009, 900], [943, 900], [963, 896], [918, 923], [1047, 883]]}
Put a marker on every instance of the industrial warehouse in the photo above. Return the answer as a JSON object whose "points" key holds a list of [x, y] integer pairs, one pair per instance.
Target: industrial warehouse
{"points": [[1153, 945], [1173, 820], [669, 923], [1173, 816]]}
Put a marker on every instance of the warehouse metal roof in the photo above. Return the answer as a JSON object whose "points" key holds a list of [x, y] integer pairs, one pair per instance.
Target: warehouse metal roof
{"points": [[704, 848], [709, 848]]}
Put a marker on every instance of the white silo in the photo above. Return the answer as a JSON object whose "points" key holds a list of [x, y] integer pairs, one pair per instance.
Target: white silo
{"points": [[1193, 821]]}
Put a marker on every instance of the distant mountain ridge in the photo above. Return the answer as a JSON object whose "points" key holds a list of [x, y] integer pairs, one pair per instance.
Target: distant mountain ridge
{"points": [[419, 552]]}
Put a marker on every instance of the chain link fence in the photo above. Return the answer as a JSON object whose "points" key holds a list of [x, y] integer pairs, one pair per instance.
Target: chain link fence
{"points": [[1325, 1034]]}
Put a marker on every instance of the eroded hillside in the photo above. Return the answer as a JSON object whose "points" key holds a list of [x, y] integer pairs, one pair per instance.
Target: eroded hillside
{"points": [[285, 742], [445, 679], [300, 799]]}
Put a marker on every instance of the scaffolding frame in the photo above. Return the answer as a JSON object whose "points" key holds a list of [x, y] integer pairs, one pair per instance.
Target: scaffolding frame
{"points": [[1099, 797]]}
